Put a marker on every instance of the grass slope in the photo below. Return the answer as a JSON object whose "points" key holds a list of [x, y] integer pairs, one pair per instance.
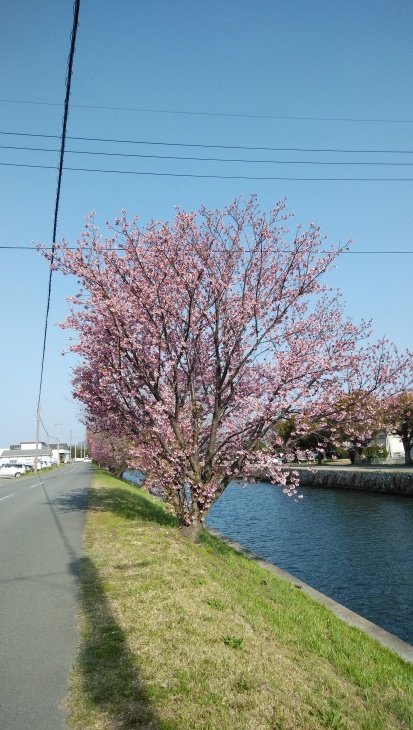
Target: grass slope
{"points": [[177, 636]]}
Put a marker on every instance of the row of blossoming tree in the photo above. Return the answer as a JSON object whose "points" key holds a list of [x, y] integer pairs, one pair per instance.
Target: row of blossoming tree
{"points": [[196, 338]]}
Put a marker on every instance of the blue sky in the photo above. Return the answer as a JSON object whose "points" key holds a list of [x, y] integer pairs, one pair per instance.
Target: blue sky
{"points": [[287, 76]]}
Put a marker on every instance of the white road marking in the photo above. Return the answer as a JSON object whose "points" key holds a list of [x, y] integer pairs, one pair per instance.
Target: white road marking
{"points": [[7, 495]]}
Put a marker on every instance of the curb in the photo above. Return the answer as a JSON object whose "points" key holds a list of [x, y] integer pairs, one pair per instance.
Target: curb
{"points": [[390, 641]]}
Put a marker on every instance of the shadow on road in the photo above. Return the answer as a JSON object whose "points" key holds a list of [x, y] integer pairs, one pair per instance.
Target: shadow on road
{"points": [[71, 501], [106, 670]]}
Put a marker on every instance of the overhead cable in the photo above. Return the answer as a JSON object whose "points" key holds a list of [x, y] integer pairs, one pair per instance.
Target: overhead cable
{"points": [[211, 146], [205, 159], [75, 248], [59, 181], [214, 177], [289, 117]]}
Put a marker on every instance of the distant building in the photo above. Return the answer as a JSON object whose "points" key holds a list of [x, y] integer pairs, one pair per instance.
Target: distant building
{"points": [[392, 443], [63, 451], [26, 453]]}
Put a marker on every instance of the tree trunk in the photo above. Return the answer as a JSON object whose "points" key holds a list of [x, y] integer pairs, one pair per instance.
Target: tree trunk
{"points": [[117, 472], [407, 448], [354, 455], [192, 531]]}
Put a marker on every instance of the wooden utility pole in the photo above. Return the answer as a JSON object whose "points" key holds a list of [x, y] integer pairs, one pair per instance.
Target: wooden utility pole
{"points": [[58, 443]]}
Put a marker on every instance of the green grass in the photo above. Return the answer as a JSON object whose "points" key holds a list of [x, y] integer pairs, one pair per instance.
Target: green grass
{"points": [[177, 636]]}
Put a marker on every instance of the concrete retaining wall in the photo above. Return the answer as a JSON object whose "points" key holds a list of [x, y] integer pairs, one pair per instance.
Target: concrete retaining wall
{"points": [[366, 479], [402, 648]]}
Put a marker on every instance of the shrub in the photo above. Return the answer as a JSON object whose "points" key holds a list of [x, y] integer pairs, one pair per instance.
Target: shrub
{"points": [[375, 451]]}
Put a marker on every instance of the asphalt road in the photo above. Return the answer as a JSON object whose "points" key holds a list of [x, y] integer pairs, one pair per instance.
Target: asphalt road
{"points": [[42, 522]]}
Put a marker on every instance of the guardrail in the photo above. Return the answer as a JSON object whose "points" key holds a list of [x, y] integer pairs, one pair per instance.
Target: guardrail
{"points": [[377, 460]]}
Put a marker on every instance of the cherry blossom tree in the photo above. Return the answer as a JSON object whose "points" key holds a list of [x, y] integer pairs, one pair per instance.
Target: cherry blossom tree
{"points": [[358, 414], [109, 451], [196, 338]]}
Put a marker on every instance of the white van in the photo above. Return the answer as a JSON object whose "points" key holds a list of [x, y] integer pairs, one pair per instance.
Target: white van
{"points": [[12, 470]]}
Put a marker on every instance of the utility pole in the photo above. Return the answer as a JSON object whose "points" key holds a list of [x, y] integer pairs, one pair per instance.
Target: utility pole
{"points": [[36, 453], [58, 443], [70, 447]]}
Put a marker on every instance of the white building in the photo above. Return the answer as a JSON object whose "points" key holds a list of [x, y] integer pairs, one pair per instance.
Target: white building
{"points": [[392, 443], [26, 453]]}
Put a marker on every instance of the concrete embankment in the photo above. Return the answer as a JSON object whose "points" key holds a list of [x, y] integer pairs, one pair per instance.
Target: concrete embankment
{"points": [[370, 479], [400, 647]]}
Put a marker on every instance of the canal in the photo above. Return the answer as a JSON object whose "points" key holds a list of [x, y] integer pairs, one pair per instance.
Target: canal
{"points": [[356, 547]]}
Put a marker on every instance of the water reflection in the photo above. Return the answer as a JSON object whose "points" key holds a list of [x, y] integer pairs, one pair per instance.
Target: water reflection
{"points": [[356, 547]]}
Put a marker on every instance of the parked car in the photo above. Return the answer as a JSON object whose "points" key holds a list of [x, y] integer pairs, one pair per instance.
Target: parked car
{"points": [[12, 470]]}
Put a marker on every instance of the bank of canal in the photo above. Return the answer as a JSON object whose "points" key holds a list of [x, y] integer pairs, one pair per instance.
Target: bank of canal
{"points": [[354, 546], [391, 479]]}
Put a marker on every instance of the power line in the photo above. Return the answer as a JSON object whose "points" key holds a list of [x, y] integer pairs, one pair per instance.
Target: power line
{"points": [[211, 146], [214, 177], [206, 159], [74, 248], [217, 114], [48, 435], [59, 182]]}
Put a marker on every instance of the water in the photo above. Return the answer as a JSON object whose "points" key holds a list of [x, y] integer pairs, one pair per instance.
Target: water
{"points": [[134, 475], [356, 547]]}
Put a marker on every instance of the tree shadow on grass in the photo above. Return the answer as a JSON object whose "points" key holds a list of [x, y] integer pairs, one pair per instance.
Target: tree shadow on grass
{"points": [[108, 671], [132, 505]]}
